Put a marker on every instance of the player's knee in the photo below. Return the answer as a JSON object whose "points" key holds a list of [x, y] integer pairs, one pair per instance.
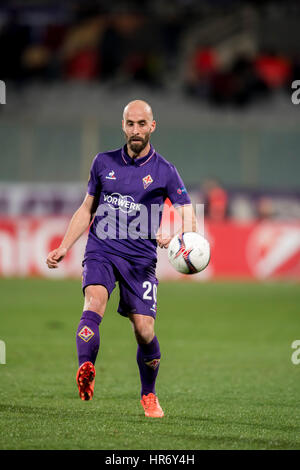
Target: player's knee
{"points": [[95, 299], [95, 305], [144, 330]]}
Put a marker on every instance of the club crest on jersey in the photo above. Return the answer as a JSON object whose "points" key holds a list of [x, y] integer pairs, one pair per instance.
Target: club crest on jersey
{"points": [[111, 175], [86, 333], [153, 364], [147, 181]]}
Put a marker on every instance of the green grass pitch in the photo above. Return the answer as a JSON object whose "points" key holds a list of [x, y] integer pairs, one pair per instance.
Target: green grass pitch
{"points": [[226, 379]]}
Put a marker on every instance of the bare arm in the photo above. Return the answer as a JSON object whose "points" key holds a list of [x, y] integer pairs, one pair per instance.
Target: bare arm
{"points": [[78, 225], [189, 224]]}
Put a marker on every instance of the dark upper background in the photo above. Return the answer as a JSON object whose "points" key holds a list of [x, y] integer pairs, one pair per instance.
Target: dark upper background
{"points": [[217, 73]]}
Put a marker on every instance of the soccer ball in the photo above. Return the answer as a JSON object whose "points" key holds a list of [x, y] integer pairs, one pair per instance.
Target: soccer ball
{"points": [[189, 252]]}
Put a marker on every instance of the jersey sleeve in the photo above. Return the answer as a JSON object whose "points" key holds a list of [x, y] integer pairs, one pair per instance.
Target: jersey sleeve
{"points": [[175, 189], [94, 184]]}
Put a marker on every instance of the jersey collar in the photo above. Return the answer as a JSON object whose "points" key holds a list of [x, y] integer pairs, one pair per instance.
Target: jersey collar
{"points": [[138, 161]]}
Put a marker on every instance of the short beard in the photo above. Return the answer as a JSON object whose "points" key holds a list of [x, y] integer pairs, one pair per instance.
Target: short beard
{"points": [[138, 147]]}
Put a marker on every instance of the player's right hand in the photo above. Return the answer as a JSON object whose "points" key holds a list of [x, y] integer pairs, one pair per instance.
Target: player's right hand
{"points": [[55, 256], [163, 240]]}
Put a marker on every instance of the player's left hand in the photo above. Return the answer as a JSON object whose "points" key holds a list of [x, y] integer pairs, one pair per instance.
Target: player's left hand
{"points": [[163, 240]]}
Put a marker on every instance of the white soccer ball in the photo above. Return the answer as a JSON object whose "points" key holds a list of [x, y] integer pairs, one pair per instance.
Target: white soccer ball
{"points": [[189, 252]]}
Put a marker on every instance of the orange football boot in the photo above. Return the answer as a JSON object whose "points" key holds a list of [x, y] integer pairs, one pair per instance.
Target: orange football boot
{"points": [[151, 406], [85, 379]]}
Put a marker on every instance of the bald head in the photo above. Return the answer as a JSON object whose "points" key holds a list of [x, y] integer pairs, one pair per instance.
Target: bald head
{"points": [[138, 124], [140, 107]]}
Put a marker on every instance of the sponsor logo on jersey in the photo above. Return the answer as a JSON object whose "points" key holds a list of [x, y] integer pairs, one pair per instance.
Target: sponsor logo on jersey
{"points": [[147, 181], [123, 203], [153, 364], [181, 191], [86, 333], [111, 175]]}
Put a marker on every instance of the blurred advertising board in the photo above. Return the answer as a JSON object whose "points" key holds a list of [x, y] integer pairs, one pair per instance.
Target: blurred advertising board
{"points": [[250, 250]]}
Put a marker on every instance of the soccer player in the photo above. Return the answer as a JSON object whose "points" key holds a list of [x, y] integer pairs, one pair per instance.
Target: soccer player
{"points": [[124, 187]]}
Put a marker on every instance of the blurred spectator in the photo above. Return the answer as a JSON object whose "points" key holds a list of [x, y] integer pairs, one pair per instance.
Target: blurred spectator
{"points": [[242, 207], [80, 49], [272, 69], [14, 39], [265, 208], [35, 61], [237, 86], [200, 71], [130, 49], [215, 200], [144, 42], [172, 29]]}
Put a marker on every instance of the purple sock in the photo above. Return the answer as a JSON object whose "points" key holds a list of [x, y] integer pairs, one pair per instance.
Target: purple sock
{"points": [[88, 337], [148, 359]]}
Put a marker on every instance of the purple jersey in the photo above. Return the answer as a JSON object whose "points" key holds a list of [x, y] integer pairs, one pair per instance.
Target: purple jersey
{"points": [[130, 195]]}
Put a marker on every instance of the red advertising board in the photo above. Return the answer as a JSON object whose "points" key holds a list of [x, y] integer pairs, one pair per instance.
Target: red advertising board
{"points": [[256, 250]]}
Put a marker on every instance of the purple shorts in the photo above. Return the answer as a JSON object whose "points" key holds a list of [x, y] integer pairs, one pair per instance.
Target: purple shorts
{"points": [[137, 282]]}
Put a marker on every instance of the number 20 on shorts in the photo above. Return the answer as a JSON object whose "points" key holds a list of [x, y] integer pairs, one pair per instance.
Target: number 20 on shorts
{"points": [[150, 291]]}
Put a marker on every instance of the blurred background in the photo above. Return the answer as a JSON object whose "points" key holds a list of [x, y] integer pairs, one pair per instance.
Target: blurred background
{"points": [[219, 77]]}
